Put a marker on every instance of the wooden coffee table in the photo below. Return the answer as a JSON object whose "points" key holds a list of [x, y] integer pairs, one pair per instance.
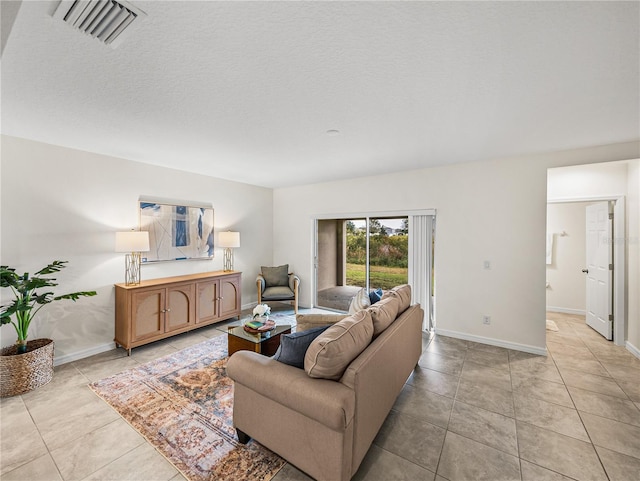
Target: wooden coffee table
{"points": [[265, 343]]}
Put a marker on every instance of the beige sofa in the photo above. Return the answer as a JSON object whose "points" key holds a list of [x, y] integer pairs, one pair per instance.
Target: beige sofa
{"points": [[325, 427]]}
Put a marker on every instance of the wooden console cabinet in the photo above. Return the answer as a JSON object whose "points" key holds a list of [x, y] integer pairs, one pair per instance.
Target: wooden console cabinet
{"points": [[160, 308]]}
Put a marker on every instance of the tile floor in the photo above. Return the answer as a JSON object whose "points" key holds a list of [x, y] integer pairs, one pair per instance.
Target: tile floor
{"points": [[469, 412]]}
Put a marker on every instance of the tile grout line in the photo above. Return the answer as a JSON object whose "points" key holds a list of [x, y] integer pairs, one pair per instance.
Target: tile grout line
{"points": [[444, 440], [42, 439], [593, 446], [515, 415]]}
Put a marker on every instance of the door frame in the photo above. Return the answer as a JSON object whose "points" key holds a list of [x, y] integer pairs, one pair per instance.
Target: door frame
{"points": [[619, 259]]}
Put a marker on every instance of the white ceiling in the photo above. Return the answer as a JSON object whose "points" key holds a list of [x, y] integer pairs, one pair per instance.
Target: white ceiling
{"points": [[248, 90]]}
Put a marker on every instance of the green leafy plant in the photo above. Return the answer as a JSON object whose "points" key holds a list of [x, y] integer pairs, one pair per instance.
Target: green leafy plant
{"points": [[30, 297]]}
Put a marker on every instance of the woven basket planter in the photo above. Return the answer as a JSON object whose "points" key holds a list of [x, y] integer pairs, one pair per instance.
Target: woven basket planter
{"points": [[20, 373]]}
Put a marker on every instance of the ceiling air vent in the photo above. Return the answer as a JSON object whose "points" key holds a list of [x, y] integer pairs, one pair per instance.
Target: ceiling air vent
{"points": [[107, 20]]}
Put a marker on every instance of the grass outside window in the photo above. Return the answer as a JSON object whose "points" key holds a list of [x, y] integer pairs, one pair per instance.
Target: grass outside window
{"points": [[379, 276]]}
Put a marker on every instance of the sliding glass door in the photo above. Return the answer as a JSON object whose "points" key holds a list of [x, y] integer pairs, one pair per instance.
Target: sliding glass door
{"points": [[388, 259], [369, 252], [376, 251]]}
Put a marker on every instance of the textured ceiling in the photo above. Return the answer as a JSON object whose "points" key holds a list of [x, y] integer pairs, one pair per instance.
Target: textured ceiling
{"points": [[248, 90]]}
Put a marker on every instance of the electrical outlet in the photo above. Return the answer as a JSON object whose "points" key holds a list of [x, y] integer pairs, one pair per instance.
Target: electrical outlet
{"points": [[486, 320]]}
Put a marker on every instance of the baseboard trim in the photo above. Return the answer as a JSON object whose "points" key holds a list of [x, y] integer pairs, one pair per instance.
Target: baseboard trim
{"points": [[541, 351], [75, 356], [633, 349], [565, 310]]}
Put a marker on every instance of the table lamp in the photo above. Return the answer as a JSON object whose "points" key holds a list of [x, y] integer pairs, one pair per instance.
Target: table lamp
{"points": [[229, 240], [132, 242]]}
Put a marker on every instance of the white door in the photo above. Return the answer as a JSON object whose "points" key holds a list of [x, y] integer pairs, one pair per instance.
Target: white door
{"points": [[599, 264]]}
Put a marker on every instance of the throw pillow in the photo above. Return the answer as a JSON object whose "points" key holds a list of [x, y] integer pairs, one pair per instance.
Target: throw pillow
{"points": [[375, 296], [403, 293], [359, 302], [294, 346], [331, 352], [276, 276], [384, 313]]}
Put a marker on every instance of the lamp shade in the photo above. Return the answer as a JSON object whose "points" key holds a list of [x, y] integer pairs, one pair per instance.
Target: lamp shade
{"points": [[132, 241], [229, 239]]}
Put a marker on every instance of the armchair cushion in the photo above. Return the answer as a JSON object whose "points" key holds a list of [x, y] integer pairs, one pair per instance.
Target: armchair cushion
{"points": [[277, 293], [294, 346], [276, 276]]}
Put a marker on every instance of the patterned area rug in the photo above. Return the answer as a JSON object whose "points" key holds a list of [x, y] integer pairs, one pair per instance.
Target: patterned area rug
{"points": [[182, 404]]}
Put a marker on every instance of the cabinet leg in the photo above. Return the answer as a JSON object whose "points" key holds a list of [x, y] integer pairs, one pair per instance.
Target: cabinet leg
{"points": [[118, 346], [243, 437]]}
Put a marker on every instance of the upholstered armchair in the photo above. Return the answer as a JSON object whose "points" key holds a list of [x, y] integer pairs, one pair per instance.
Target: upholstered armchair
{"points": [[278, 284]]}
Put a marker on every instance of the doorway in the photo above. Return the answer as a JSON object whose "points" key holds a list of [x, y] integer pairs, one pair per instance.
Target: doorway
{"points": [[567, 239]]}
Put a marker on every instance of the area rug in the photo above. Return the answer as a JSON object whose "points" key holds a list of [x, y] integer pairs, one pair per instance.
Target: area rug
{"points": [[182, 404], [552, 326]]}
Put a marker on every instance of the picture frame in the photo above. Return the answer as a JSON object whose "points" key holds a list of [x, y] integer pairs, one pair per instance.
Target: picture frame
{"points": [[177, 230]]}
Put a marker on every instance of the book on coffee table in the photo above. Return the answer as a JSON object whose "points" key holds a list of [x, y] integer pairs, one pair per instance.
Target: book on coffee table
{"points": [[254, 324]]}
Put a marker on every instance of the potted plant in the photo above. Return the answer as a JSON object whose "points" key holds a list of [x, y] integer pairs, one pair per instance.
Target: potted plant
{"points": [[27, 365]]}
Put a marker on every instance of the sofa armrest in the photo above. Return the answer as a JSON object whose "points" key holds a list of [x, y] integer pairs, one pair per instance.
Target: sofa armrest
{"points": [[328, 402], [309, 321], [379, 373]]}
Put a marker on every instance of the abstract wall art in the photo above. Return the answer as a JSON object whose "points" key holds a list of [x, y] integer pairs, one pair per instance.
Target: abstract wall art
{"points": [[177, 231]]}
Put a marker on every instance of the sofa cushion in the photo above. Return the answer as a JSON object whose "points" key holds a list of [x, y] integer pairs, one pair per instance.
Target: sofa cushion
{"points": [[332, 351], [276, 276], [403, 293], [294, 346], [308, 321], [383, 313], [360, 301]]}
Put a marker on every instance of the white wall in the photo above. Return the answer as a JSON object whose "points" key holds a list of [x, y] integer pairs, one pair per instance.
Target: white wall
{"points": [[59, 203], [65, 204], [566, 291], [493, 210], [633, 256], [595, 180]]}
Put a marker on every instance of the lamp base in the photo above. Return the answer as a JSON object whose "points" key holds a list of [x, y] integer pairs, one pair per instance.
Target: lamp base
{"points": [[228, 259], [132, 269]]}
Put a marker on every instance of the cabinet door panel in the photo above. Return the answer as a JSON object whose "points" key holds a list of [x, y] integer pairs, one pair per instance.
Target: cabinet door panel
{"points": [[207, 301], [230, 297], [148, 315], [179, 314]]}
